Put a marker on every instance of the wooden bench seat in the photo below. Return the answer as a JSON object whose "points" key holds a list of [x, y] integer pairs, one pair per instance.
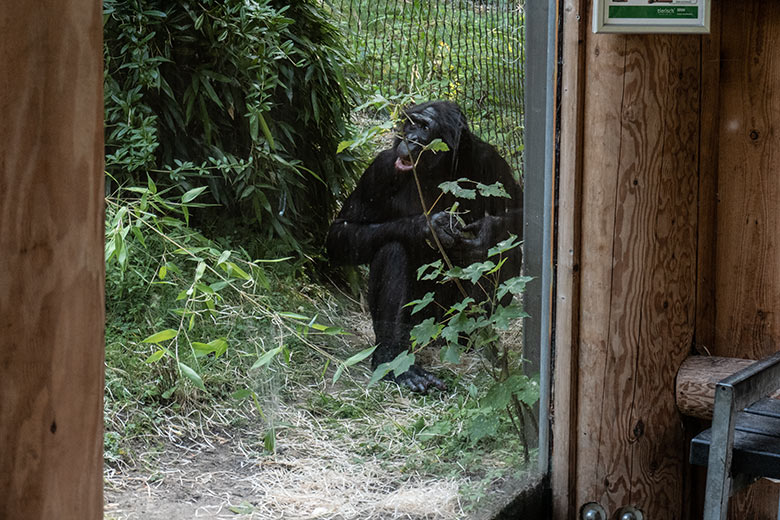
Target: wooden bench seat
{"points": [[756, 449]]}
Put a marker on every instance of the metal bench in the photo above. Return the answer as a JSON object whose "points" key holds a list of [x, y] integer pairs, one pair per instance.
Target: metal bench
{"points": [[743, 444]]}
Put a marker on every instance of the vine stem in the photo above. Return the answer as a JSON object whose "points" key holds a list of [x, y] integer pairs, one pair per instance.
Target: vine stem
{"points": [[436, 240]]}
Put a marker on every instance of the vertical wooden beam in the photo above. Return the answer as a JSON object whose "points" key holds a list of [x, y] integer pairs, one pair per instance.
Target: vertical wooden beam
{"points": [[566, 359], [747, 322], [708, 180], [638, 268], [51, 260]]}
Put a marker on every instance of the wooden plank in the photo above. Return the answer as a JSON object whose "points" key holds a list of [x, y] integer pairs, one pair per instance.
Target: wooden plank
{"points": [[638, 267], [604, 66], [769, 407], [708, 177], [756, 444], [51, 260], [748, 252], [564, 426]]}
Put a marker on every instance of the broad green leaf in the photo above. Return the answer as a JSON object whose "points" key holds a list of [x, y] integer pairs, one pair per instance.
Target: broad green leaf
{"points": [[163, 335], [162, 272], [504, 246], [515, 285], [233, 270], [267, 357], [421, 303], [266, 131], [380, 372], [352, 360], [492, 190], [192, 194], [360, 356], [269, 441], [201, 349], [462, 305], [438, 429], [483, 426], [451, 333], [401, 363], [518, 385], [437, 145], [425, 331], [343, 145], [220, 346], [218, 286], [223, 257], [450, 353], [193, 376], [503, 315], [436, 270], [471, 273], [155, 357], [454, 188], [200, 270], [241, 394]]}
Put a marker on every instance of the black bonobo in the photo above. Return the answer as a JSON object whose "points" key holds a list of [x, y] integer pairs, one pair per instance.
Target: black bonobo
{"points": [[382, 224]]}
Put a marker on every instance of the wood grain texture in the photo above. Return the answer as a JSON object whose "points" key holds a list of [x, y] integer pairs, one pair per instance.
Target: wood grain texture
{"points": [[747, 322], [564, 425], [640, 188], [51, 260], [708, 180], [696, 381]]}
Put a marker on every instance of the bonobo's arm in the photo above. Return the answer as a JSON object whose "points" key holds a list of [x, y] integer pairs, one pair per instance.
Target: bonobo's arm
{"points": [[501, 216], [370, 219]]}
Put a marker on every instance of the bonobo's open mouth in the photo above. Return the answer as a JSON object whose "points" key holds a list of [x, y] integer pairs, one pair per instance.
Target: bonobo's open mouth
{"points": [[403, 164]]}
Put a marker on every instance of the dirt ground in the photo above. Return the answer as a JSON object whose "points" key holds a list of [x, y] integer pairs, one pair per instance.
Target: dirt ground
{"points": [[196, 472], [232, 479]]}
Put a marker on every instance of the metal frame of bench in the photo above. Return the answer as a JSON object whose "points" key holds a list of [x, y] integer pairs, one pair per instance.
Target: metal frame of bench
{"points": [[732, 394]]}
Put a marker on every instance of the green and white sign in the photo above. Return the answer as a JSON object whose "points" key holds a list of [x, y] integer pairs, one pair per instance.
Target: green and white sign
{"points": [[651, 16]]}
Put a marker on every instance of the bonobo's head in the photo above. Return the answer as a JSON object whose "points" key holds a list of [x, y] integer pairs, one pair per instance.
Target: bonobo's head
{"points": [[421, 124]]}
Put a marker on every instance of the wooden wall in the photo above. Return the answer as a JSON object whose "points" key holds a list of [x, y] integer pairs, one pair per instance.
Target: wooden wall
{"points": [[669, 225], [744, 320], [51, 260]]}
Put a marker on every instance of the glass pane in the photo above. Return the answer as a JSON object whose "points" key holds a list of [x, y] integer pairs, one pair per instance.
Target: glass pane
{"points": [[358, 353]]}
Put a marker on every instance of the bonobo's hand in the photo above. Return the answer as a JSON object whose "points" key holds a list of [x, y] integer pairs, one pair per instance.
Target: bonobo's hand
{"points": [[447, 228], [419, 380], [476, 238]]}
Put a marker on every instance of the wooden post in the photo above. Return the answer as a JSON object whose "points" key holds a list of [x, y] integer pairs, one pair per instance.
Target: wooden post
{"points": [[667, 221], [626, 260], [696, 380], [51, 260]]}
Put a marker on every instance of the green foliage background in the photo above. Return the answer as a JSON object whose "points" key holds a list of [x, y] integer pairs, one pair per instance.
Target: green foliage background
{"points": [[223, 128], [248, 98]]}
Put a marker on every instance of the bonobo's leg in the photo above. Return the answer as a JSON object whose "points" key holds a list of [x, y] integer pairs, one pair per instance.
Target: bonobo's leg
{"points": [[391, 282]]}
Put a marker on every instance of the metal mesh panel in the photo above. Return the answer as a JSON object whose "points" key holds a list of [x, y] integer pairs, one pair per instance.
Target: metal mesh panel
{"points": [[466, 51]]}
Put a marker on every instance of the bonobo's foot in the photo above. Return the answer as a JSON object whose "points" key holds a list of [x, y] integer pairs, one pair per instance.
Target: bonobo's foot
{"points": [[419, 380]]}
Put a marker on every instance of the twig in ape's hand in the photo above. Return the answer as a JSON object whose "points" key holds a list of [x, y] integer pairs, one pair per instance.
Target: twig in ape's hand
{"points": [[434, 234]]}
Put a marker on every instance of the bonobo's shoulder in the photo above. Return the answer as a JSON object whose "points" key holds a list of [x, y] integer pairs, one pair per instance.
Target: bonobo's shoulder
{"points": [[485, 157], [382, 168]]}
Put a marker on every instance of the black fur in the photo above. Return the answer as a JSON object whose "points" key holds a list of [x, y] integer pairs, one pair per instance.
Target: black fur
{"points": [[382, 223]]}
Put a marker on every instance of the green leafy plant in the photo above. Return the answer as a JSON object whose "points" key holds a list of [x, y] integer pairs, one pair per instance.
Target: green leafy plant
{"points": [[248, 99], [203, 277], [471, 324]]}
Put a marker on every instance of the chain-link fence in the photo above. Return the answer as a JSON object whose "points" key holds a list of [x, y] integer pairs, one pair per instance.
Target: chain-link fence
{"points": [[470, 52]]}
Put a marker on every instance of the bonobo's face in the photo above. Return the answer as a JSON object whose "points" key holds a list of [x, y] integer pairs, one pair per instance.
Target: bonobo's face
{"points": [[419, 129]]}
